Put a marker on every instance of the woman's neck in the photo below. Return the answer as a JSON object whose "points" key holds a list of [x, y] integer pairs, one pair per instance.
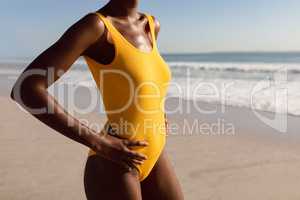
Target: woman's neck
{"points": [[124, 8]]}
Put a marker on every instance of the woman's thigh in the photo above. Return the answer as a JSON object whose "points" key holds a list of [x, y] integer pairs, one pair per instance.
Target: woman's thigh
{"points": [[104, 179], [162, 183]]}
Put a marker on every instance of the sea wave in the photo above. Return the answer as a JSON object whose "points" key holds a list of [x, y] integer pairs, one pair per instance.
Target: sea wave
{"points": [[246, 84], [265, 95], [240, 67]]}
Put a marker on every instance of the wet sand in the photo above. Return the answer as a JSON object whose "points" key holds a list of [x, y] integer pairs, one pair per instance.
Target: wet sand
{"points": [[255, 162]]}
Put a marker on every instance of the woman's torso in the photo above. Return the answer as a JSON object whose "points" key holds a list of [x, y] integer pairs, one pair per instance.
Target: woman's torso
{"points": [[133, 85]]}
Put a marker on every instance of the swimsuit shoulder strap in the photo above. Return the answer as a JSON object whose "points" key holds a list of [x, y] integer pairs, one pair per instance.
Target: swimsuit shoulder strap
{"points": [[110, 28], [152, 27], [119, 39]]}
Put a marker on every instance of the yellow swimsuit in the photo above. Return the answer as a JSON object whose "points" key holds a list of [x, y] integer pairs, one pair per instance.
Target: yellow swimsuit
{"points": [[133, 88]]}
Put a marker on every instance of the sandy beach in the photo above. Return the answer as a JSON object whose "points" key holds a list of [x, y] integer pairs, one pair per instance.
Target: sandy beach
{"points": [[225, 73], [256, 162]]}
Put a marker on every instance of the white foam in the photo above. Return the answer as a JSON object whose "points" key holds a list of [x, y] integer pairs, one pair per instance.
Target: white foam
{"points": [[254, 94], [250, 93], [244, 67], [259, 95]]}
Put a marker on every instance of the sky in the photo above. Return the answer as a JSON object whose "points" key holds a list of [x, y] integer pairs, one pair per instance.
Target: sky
{"points": [[188, 26]]}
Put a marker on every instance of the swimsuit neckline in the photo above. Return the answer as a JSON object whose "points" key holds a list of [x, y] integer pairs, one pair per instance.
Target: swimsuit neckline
{"points": [[129, 43]]}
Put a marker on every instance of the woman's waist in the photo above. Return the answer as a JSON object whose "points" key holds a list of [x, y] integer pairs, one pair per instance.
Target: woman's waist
{"points": [[136, 129], [155, 137]]}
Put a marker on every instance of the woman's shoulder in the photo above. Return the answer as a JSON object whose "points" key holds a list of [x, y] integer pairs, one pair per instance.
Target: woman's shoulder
{"points": [[156, 23], [87, 29], [154, 19], [91, 21]]}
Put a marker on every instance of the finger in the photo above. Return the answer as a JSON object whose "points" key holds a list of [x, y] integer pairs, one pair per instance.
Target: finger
{"points": [[125, 165], [136, 155], [132, 143], [137, 162], [130, 163]]}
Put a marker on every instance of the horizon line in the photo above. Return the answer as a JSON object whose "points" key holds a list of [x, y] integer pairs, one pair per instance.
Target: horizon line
{"points": [[230, 52], [191, 53]]}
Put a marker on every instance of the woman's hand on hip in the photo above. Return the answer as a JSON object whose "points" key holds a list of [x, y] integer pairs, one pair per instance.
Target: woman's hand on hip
{"points": [[118, 150]]}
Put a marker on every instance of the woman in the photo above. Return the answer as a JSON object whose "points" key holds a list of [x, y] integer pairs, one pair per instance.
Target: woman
{"points": [[118, 40]]}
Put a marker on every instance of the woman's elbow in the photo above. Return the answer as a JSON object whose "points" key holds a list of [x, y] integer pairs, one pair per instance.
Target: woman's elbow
{"points": [[25, 92], [12, 94]]}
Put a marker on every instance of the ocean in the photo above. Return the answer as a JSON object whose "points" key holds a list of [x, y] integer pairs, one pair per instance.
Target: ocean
{"points": [[260, 81]]}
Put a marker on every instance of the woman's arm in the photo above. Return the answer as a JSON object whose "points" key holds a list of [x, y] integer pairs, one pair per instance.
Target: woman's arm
{"points": [[30, 91]]}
